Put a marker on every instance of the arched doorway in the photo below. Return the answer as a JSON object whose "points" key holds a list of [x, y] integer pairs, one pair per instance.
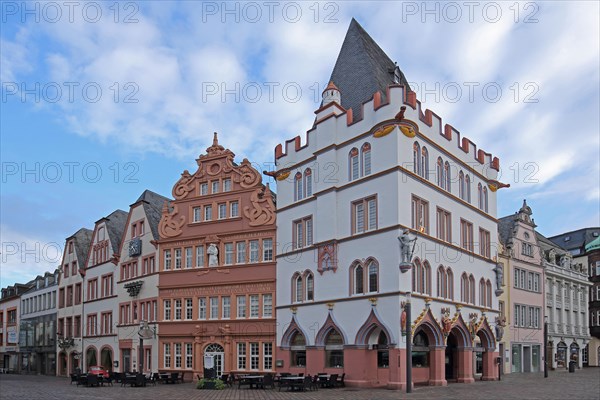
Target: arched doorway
{"points": [[298, 350], [90, 358], [478, 351], [217, 352], [62, 364], [561, 355], [450, 357], [106, 358], [574, 353]]}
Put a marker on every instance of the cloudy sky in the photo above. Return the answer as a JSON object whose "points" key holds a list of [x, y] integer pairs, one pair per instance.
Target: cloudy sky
{"points": [[103, 100]]}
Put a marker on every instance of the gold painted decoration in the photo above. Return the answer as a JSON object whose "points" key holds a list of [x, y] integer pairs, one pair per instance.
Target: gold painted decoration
{"points": [[283, 175], [384, 130], [408, 131], [262, 211], [495, 185], [170, 224]]}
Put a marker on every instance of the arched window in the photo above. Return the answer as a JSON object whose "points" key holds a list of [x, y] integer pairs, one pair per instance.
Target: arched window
{"points": [[450, 283], [461, 185], [485, 199], [383, 352], [359, 286], [310, 287], [298, 350], [426, 288], [308, 182], [373, 277], [471, 289], [464, 288], [482, 292], [488, 293], [353, 167], [441, 282], [425, 163], [366, 159], [416, 281], [420, 350], [447, 176], [298, 186], [416, 158], [468, 188], [334, 350], [299, 288], [480, 196], [440, 172]]}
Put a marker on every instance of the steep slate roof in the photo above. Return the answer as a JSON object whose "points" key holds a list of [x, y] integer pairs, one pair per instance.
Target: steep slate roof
{"points": [[506, 229], [361, 69], [152, 203], [115, 226], [577, 239], [82, 239]]}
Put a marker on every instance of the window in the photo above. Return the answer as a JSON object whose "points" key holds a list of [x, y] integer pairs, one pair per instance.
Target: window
{"points": [[471, 289], [207, 213], [365, 215], [222, 211], [303, 233], [226, 307], [482, 298], [467, 189], [334, 350], [444, 227], [421, 279], [106, 324], [204, 189], [177, 258], [234, 209], [447, 176], [215, 187], [299, 288], [420, 354], [441, 282], [177, 355], [189, 309], [308, 182], [420, 214], [310, 287], [461, 185], [241, 355], [298, 350], [188, 257], [66, 271], [202, 308], [167, 310], [450, 283], [353, 167], [214, 308], [424, 164], [241, 252], [417, 158], [228, 253], [464, 288], [74, 268], [441, 181], [482, 197], [167, 260], [254, 251], [298, 186], [167, 355], [199, 256], [484, 243], [227, 185], [92, 325], [107, 287], [267, 305], [241, 306], [177, 309], [359, 279], [466, 235], [267, 356], [267, 249], [254, 306], [189, 355], [366, 159], [254, 355], [488, 293], [526, 249]]}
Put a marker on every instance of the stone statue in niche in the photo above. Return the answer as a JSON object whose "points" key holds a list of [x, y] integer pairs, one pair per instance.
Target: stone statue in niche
{"points": [[552, 256], [499, 270], [406, 239], [213, 255], [500, 324], [565, 262]]}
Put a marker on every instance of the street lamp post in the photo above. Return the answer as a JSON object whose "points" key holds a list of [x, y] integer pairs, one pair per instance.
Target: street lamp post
{"points": [[545, 346], [82, 321], [407, 308]]}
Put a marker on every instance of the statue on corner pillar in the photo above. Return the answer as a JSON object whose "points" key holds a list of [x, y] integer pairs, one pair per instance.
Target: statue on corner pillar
{"points": [[406, 250], [213, 255], [499, 270]]}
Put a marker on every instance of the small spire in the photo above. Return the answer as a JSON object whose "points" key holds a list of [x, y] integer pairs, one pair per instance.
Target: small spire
{"points": [[215, 139], [331, 86]]}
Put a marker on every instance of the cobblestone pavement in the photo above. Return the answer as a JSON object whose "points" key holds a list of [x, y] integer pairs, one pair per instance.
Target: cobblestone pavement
{"points": [[583, 384]]}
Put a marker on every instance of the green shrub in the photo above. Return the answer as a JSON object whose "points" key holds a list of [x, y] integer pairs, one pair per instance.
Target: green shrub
{"points": [[218, 384]]}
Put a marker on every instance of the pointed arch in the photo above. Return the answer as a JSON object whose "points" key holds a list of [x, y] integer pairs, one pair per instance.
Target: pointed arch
{"points": [[416, 158], [468, 188], [424, 163], [440, 172], [353, 164], [450, 283], [298, 186], [307, 182], [486, 335], [365, 159], [293, 328], [373, 322], [447, 176], [461, 330], [441, 282], [429, 325], [329, 325]]}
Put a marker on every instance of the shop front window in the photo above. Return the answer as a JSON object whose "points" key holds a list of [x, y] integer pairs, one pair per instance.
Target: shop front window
{"points": [[420, 350]]}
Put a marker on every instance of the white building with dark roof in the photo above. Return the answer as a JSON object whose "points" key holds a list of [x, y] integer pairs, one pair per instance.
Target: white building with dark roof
{"points": [[374, 165]]}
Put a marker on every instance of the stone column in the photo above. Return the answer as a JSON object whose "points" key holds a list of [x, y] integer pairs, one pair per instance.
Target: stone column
{"points": [[437, 366], [465, 365], [490, 367]]}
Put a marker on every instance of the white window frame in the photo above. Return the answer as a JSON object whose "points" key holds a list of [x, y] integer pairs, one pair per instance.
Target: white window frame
{"points": [[241, 306]]}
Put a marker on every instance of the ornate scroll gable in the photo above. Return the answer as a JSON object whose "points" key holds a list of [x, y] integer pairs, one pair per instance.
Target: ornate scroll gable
{"points": [[217, 161], [262, 211], [170, 223]]}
